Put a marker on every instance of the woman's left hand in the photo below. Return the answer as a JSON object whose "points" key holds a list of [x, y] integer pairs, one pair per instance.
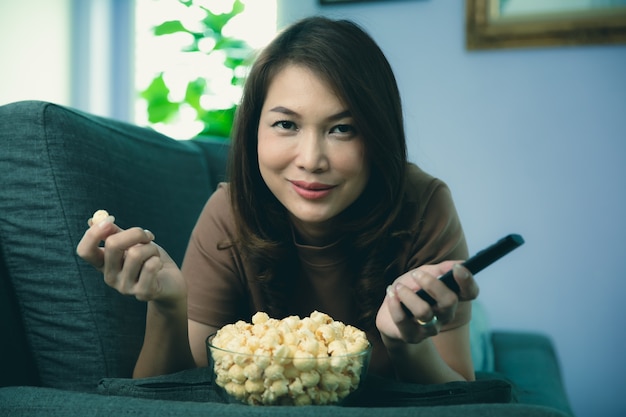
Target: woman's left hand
{"points": [[395, 325]]}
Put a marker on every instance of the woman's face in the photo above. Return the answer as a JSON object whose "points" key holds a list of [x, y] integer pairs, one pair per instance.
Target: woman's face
{"points": [[310, 155]]}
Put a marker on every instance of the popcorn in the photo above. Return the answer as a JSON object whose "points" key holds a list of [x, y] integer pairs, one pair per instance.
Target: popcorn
{"points": [[292, 361], [304, 361], [235, 374], [310, 379], [254, 386], [273, 372], [99, 216]]}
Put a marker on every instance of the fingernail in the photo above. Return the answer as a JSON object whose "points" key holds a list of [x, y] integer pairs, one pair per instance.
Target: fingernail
{"points": [[109, 219], [390, 292], [416, 274], [149, 234], [460, 271]]}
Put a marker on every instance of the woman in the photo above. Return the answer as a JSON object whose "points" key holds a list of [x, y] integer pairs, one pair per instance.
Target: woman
{"points": [[322, 212]]}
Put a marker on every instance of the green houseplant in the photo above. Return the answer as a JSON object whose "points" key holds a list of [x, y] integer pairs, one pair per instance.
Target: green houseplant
{"points": [[234, 55]]}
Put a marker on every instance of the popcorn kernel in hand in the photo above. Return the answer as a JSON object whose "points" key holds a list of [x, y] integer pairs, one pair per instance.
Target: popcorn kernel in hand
{"points": [[98, 217]]}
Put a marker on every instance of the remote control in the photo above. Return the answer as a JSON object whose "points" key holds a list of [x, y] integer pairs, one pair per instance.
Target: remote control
{"points": [[476, 263]]}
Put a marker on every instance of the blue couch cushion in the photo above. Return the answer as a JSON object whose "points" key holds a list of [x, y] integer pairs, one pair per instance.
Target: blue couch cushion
{"points": [[57, 167], [196, 385], [480, 339], [28, 401], [532, 363]]}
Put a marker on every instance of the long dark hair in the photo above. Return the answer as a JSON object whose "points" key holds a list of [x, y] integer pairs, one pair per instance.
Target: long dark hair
{"points": [[352, 64]]}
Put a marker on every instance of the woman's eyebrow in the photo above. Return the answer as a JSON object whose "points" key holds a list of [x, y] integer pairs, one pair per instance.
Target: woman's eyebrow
{"points": [[341, 115], [284, 110]]}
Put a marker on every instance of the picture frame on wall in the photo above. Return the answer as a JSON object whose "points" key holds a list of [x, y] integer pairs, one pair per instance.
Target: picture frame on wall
{"points": [[494, 24]]}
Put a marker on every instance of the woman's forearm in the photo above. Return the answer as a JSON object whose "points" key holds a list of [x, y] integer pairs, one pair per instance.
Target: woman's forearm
{"points": [[166, 342], [421, 363]]}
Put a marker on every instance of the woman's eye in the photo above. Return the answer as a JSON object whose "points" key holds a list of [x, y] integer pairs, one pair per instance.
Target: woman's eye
{"points": [[285, 124], [343, 130]]}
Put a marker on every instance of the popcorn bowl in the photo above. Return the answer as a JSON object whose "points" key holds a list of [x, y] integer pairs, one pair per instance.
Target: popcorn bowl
{"points": [[283, 380], [287, 375]]}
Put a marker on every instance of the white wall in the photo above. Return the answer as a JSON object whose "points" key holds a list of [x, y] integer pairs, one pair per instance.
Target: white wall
{"points": [[530, 141], [35, 50]]}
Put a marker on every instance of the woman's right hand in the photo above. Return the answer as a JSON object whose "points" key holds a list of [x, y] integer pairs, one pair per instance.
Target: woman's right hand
{"points": [[133, 264]]}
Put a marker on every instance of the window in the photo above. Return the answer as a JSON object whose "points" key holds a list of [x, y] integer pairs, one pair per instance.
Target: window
{"points": [[164, 57]]}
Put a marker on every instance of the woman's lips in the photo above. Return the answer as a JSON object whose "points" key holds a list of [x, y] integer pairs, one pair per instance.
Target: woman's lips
{"points": [[312, 190]]}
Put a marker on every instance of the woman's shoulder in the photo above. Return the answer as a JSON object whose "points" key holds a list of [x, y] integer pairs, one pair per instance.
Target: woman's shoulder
{"points": [[428, 199], [438, 234], [217, 211], [421, 186], [220, 199], [221, 193]]}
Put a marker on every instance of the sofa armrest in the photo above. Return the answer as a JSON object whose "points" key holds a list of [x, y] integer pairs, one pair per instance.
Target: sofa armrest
{"points": [[18, 367], [530, 362], [58, 165]]}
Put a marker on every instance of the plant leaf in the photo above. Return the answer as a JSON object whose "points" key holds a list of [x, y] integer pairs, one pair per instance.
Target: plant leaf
{"points": [[193, 93], [160, 108], [216, 22], [169, 27], [218, 122]]}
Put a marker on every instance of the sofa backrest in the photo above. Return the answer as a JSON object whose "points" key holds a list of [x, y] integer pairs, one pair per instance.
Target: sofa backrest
{"points": [[68, 329]]}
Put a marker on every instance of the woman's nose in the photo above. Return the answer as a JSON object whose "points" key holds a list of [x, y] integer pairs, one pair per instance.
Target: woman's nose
{"points": [[312, 155]]}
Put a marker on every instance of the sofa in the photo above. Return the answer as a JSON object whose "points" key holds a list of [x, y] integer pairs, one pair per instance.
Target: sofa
{"points": [[70, 342]]}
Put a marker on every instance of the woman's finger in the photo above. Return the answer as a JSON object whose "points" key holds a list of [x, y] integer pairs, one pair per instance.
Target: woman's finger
{"points": [[115, 248], [89, 247], [408, 325], [446, 300], [134, 265], [148, 285], [413, 306], [467, 284]]}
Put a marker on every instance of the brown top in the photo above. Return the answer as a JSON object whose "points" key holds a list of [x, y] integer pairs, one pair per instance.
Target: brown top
{"points": [[222, 288]]}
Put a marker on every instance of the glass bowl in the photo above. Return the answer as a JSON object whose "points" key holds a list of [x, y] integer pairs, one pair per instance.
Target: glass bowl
{"points": [[283, 380]]}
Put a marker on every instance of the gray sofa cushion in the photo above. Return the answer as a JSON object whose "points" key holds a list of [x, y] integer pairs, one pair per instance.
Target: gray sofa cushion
{"points": [[57, 167], [196, 385], [27, 401], [533, 366], [480, 339]]}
